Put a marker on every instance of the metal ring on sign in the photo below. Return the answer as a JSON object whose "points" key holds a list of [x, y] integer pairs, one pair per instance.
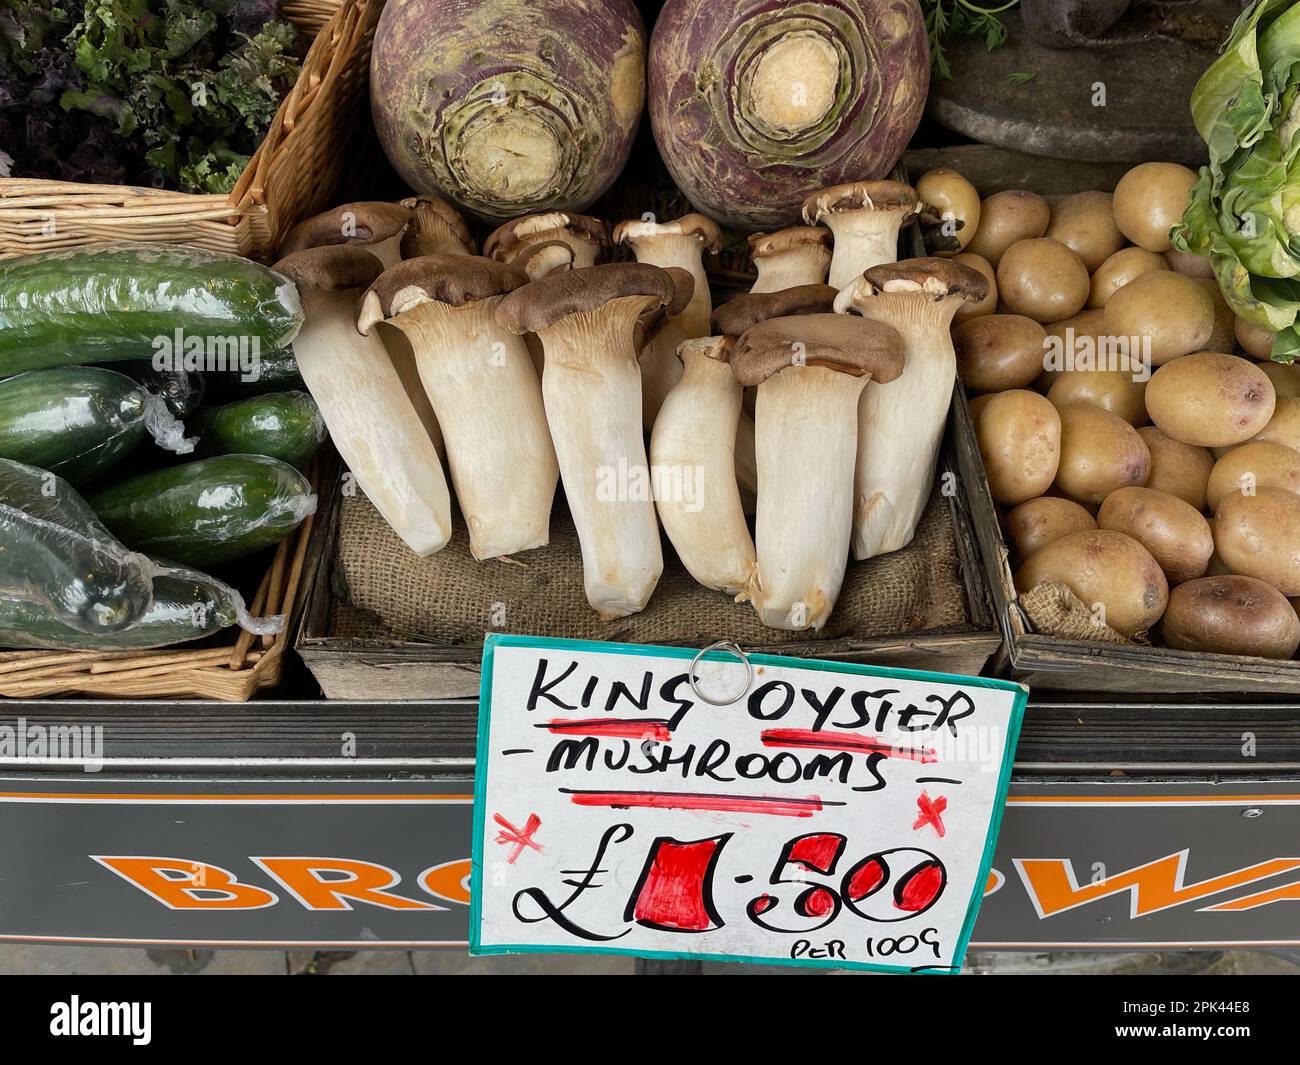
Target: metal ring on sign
{"points": [[721, 645]]}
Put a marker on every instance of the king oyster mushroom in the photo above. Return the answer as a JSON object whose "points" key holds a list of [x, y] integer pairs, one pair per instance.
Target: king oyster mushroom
{"points": [[361, 398], [484, 391], [436, 229], [587, 236], [810, 371], [800, 255], [865, 217], [376, 225], [588, 321], [901, 423]]}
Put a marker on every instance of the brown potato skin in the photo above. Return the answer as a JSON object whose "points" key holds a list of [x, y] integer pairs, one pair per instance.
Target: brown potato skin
{"points": [[1175, 311], [1231, 615], [1284, 427], [1043, 280], [1104, 567], [1007, 217], [1118, 270], [1100, 452], [1189, 263], [1182, 470], [1221, 338], [1255, 340], [1019, 434], [1037, 522], [1259, 536], [1286, 379], [1112, 390], [1149, 200], [1270, 465], [947, 191], [1178, 536], [990, 302], [998, 351], [1085, 223], [1210, 399]]}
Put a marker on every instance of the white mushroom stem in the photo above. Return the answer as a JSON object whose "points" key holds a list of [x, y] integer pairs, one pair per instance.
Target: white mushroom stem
{"points": [[746, 461], [592, 389], [693, 462], [806, 427], [804, 264], [488, 401], [371, 420], [863, 238], [403, 360], [901, 423]]}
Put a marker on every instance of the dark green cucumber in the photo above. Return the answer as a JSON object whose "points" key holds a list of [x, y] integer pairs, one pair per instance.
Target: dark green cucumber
{"points": [[272, 371], [105, 302], [56, 553], [209, 511], [284, 425], [187, 605], [76, 421], [181, 390]]}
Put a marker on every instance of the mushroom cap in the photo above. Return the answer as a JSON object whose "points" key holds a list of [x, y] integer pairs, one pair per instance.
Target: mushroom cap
{"points": [[542, 303], [718, 348], [451, 279], [698, 225], [430, 211], [762, 245], [331, 267], [859, 196], [835, 341], [749, 308], [509, 239], [934, 277], [372, 221], [538, 260], [683, 290]]}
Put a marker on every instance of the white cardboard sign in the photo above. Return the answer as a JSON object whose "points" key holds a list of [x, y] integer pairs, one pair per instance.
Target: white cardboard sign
{"points": [[832, 815]]}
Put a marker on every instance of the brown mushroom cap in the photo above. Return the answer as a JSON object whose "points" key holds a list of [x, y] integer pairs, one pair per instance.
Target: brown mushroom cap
{"points": [[719, 348], [859, 196], [934, 276], [510, 239], [683, 290], [331, 267], [697, 225], [762, 245], [370, 221], [542, 303], [847, 343], [451, 279], [749, 308], [538, 260], [431, 212]]}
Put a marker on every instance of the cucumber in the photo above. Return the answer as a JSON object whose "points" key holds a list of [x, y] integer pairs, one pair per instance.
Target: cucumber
{"points": [[56, 553], [181, 390], [207, 512], [274, 371], [106, 302], [187, 605], [284, 425], [75, 421]]}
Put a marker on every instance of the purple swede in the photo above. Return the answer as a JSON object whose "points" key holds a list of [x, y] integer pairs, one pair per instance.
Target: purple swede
{"points": [[755, 104], [508, 107]]}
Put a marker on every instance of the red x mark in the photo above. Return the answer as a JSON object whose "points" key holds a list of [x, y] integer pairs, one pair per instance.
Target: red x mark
{"points": [[930, 811], [520, 838]]}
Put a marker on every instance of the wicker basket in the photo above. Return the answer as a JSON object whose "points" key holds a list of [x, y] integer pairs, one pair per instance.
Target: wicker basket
{"points": [[294, 173]]}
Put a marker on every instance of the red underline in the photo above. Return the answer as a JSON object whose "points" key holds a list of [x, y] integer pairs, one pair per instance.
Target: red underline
{"points": [[842, 741], [751, 804], [648, 728]]}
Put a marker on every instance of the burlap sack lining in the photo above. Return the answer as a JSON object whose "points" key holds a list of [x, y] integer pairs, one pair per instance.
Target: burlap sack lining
{"points": [[386, 593], [1054, 610]]}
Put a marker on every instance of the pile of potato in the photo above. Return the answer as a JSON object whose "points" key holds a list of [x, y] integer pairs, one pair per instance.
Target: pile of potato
{"points": [[1168, 505]]}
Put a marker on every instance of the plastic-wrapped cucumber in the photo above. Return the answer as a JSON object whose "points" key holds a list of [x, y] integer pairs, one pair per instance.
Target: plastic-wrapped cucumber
{"points": [[284, 425], [181, 390], [187, 605], [54, 552], [209, 511], [105, 302], [271, 371]]}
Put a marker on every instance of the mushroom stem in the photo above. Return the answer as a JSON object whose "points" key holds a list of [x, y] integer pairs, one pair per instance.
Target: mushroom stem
{"points": [[805, 422], [863, 239], [746, 461], [693, 461], [592, 391], [487, 399], [371, 420], [803, 265]]}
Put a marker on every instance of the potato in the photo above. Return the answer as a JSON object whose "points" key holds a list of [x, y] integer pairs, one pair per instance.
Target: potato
{"points": [[1249, 467], [1038, 522], [1231, 615], [1149, 200], [1189, 263], [1118, 270], [1221, 337], [998, 351], [1182, 470], [1284, 427], [1008, 217], [1259, 536], [1065, 341], [1255, 340], [1210, 400], [1085, 224], [1173, 311], [977, 405], [952, 198], [1100, 452], [1286, 379], [1043, 280], [1019, 434], [990, 302], [1106, 569], [1112, 390], [1175, 533]]}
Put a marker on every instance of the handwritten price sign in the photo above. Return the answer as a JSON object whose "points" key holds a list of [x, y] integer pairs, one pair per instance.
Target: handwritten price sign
{"points": [[828, 814]]}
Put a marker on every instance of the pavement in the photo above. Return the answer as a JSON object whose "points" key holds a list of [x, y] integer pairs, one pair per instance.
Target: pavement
{"points": [[41, 959]]}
